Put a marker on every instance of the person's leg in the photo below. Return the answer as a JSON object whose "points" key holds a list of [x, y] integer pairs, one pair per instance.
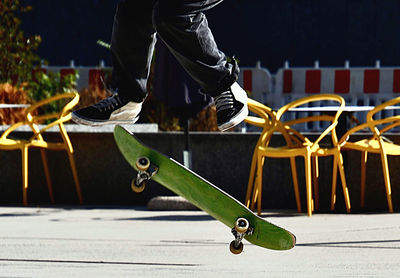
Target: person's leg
{"points": [[183, 26], [132, 45]]}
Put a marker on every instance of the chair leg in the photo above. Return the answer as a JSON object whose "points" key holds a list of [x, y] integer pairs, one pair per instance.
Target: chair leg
{"points": [[47, 174], [254, 195], [364, 158], [315, 175], [334, 182], [295, 183], [251, 182], [386, 176], [259, 201], [260, 164], [25, 175], [257, 185], [307, 160], [75, 175], [343, 180]]}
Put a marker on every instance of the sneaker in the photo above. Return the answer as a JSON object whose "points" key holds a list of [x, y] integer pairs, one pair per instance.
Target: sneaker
{"points": [[231, 107], [111, 110]]}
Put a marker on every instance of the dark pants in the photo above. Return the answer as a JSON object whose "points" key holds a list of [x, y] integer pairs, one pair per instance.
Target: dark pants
{"points": [[182, 25]]}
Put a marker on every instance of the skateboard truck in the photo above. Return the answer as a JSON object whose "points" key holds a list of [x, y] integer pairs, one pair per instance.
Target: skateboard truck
{"points": [[145, 171], [241, 229]]}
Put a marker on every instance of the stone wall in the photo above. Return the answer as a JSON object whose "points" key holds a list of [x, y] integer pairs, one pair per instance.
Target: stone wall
{"points": [[222, 158]]}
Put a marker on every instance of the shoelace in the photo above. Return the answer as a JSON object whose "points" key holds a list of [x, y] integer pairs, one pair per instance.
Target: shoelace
{"points": [[108, 103], [224, 101]]}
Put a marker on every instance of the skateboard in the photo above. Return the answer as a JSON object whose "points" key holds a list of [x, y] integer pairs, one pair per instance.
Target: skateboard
{"points": [[244, 224]]}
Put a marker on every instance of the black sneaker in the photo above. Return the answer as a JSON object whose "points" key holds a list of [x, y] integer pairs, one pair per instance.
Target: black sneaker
{"points": [[231, 107], [111, 110]]}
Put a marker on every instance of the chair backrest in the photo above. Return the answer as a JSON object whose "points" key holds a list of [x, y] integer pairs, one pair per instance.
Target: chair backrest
{"points": [[288, 129], [379, 126], [57, 118], [266, 113], [266, 120], [32, 119]]}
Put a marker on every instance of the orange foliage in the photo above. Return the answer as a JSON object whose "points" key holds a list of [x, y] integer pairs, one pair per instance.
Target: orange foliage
{"points": [[91, 95], [12, 95]]}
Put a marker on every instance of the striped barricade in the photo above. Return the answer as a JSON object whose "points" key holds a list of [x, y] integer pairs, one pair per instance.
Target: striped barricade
{"points": [[257, 82], [358, 86]]}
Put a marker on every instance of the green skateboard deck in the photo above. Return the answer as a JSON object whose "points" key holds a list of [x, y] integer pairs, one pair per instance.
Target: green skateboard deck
{"points": [[203, 194]]}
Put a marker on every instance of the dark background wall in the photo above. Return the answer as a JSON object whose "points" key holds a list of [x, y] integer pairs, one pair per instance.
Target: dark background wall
{"points": [[272, 31]]}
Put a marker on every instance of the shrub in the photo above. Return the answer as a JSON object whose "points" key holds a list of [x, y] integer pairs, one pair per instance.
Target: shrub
{"points": [[17, 52], [47, 85]]}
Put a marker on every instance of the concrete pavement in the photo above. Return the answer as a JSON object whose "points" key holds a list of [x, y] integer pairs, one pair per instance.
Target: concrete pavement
{"points": [[136, 242]]}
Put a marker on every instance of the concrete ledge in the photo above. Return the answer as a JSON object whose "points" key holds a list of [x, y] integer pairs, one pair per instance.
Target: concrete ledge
{"points": [[74, 128]]}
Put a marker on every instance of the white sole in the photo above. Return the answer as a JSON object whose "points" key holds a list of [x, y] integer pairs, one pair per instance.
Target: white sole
{"points": [[91, 122], [241, 96]]}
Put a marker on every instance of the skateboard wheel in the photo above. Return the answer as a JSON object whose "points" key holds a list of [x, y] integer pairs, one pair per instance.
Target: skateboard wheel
{"points": [[241, 225], [137, 188], [236, 250], [142, 163]]}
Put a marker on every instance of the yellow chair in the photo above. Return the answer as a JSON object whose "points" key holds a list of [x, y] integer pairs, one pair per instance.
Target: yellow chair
{"points": [[37, 140], [297, 144], [377, 144]]}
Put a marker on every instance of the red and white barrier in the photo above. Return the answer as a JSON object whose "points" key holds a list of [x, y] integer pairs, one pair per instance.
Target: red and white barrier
{"points": [[359, 86], [88, 77], [257, 81], [338, 80]]}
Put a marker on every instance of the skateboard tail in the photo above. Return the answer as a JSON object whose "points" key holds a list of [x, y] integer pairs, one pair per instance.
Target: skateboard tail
{"points": [[202, 193]]}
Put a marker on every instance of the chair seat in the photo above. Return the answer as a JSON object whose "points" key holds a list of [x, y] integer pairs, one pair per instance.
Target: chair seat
{"points": [[326, 152], [16, 144], [276, 152], [372, 146], [11, 144]]}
